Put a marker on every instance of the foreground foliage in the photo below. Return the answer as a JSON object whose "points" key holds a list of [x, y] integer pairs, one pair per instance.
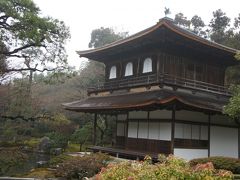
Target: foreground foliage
{"points": [[41, 173], [10, 157], [29, 38], [172, 168], [80, 167], [230, 164]]}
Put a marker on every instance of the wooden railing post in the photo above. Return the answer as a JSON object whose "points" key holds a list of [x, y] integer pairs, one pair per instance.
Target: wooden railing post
{"points": [[161, 79], [95, 129], [173, 128]]}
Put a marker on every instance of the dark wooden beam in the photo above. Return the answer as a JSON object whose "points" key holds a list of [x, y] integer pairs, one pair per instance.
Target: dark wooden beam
{"points": [[116, 129], [209, 135], [126, 128], [95, 129], [148, 115], [173, 128], [238, 141], [179, 121]]}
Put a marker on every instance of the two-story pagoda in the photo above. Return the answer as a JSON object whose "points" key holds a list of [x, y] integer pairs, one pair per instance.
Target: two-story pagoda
{"points": [[165, 86]]}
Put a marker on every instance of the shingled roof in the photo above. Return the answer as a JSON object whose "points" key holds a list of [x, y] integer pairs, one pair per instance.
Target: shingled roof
{"points": [[164, 22], [149, 99]]}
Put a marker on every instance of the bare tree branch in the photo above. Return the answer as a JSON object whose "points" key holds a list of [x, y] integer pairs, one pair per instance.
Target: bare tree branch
{"points": [[35, 69], [11, 53], [26, 118]]}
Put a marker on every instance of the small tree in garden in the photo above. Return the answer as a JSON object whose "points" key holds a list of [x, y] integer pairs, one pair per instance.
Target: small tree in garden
{"points": [[82, 135], [233, 108]]}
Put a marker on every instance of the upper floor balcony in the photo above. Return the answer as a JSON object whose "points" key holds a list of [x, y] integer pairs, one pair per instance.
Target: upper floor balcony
{"points": [[160, 80]]}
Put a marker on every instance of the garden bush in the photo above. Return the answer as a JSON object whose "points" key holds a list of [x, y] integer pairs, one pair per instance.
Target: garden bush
{"points": [[219, 162], [55, 160], [10, 157], [32, 142], [40, 173], [58, 140], [172, 168], [80, 167]]}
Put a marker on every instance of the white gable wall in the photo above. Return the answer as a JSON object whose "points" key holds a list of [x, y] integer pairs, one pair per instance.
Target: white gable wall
{"points": [[224, 141], [189, 154]]}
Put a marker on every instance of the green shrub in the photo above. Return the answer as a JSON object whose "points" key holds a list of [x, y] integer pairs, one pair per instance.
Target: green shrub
{"points": [[79, 167], [55, 160], [40, 173], [230, 164], [33, 142], [10, 157], [172, 168], [74, 148], [58, 140]]}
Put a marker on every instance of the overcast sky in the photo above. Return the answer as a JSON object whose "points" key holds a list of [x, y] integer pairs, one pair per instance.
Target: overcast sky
{"points": [[82, 16]]}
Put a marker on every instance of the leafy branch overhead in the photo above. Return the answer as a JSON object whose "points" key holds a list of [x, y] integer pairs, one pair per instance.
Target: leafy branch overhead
{"points": [[232, 108], [25, 34]]}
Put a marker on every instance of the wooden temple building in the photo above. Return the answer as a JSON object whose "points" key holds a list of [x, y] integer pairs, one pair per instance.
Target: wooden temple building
{"points": [[165, 86]]}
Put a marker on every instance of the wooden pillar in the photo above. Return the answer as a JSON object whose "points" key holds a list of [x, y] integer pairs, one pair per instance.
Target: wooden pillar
{"points": [[95, 129], [116, 129], [173, 128], [158, 66], [126, 133], [209, 131], [138, 67], [238, 141], [148, 117]]}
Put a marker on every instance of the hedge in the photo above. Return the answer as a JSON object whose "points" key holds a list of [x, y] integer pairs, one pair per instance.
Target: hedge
{"points": [[219, 162]]}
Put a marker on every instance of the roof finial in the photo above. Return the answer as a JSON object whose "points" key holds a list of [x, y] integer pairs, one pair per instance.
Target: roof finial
{"points": [[167, 11]]}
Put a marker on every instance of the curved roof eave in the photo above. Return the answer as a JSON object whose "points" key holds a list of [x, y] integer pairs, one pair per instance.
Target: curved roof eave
{"points": [[163, 97], [169, 25]]}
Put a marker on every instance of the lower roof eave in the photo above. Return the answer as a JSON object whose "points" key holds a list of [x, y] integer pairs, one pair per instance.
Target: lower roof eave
{"points": [[150, 100]]}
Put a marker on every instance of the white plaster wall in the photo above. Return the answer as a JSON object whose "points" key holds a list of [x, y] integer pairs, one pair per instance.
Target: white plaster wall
{"points": [[182, 131], [204, 133], [138, 115], [160, 114], [187, 131], [143, 130], [122, 117], [154, 128], [158, 131], [196, 132], [221, 119], [165, 131], [223, 141], [191, 116], [120, 129], [132, 129], [189, 154], [178, 130]]}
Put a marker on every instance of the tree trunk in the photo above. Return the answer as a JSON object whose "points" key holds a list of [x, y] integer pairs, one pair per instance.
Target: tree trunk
{"points": [[80, 148]]}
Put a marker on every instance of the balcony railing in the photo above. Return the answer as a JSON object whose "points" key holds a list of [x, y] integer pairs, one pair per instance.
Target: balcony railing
{"points": [[162, 79]]}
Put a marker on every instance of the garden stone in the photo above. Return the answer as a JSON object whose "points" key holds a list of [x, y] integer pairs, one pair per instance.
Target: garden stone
{"points": [[41, 164], [44, 145], [57, 151]]}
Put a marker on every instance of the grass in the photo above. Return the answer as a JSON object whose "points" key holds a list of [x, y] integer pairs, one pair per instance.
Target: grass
{"points": [[33, 142], [76, 147], [41, 173]]}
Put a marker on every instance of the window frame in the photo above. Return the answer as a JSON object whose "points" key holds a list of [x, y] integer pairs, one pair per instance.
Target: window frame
{"points": [[145, 64], [125, 68], [109, 74]]}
